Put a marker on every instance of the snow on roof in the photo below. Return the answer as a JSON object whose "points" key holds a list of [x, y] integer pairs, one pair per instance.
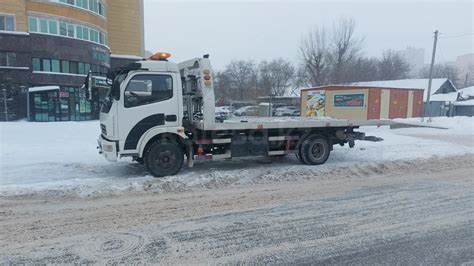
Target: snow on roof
{"points": [[469, 91], [465, 103], [43, 88], [407, 84], [445, 97]]}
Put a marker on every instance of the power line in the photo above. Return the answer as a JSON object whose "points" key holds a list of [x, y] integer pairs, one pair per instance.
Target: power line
{"points": [[441, 53], [455, 35]]}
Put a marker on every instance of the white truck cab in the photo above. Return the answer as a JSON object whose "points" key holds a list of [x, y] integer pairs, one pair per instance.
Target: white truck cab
{"points": [[158, 112]]}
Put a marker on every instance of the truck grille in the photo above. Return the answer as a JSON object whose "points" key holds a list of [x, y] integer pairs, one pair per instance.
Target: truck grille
{"points": [[103, 129]]}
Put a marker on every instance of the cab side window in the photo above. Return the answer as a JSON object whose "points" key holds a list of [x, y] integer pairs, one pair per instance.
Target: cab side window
{"points": [[147, 89]]}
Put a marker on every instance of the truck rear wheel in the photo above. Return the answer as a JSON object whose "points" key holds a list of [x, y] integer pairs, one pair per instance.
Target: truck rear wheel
{"points": [[164, 158], [315, 150]]}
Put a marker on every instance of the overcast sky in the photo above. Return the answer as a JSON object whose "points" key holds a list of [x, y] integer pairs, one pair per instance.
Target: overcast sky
{"points": [[267, 29]]}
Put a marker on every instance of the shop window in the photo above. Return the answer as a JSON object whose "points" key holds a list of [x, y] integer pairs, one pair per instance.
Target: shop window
{"points": [[43, 26], [53, 27], [65, 66], [45, 106], [55, 66], [7, 22], [46, 65], [33, 24], [35, 63]]}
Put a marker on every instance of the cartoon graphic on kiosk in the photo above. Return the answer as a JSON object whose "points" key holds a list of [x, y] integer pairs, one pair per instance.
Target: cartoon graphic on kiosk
{"points": [[315, 103]]}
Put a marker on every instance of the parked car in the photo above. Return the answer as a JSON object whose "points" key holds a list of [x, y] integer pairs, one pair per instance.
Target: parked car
{"points": [[222, 114], [287, 111], [228, 108], [247, 111], [239, 104]]}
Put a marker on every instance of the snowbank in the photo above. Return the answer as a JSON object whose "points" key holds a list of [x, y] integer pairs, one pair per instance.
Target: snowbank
{"points": [[61, 158]]}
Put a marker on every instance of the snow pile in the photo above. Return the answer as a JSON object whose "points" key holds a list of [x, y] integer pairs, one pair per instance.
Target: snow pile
{"points": [[61, 159]]}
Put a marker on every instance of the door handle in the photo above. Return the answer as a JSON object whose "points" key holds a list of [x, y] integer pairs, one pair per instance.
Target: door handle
{"points": [[171, 118]]}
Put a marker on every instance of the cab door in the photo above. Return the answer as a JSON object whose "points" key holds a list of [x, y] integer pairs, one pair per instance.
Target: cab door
{"points": [[148, 100]]}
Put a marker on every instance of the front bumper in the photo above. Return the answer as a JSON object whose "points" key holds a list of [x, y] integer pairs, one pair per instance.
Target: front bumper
{"points": [[107, 148]]}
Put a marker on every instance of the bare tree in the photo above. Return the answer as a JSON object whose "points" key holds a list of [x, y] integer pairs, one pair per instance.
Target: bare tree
{"points": [[276, 76], [345, 47], [361, 69], [222, 86], [443, 71], [239, 80], [392, 66], [314, 52]]}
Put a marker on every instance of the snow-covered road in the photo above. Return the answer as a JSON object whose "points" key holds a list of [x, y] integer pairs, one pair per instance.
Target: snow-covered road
{"points": [[61, 159]]}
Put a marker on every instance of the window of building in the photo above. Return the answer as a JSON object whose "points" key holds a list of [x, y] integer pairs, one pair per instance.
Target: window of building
{"points": [[60, 66], [43, 26], [96, 6], [7, 59], [46, 65], [65, 66], [101, 38], [83, 4], [147, 89], [55, 66], [33, 24], [81, 69], [79, 32], [7, 22], [87, 68], [85, 33], [73, 68], [70, 30], [53, 27], [63, 29], [35, 64]]}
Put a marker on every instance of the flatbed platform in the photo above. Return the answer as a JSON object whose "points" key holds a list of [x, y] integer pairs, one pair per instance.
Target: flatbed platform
{"points": [[254, 123]]}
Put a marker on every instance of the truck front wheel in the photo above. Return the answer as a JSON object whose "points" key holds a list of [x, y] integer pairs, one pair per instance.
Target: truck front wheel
{"points": [[164, 158], [315, 150]]}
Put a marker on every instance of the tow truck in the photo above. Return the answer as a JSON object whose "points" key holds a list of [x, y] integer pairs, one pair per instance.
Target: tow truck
{"points": [[158, 112]]}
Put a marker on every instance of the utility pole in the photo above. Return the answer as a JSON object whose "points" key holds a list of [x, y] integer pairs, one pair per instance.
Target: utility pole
{"points": [[432, 65], [5, 104]]}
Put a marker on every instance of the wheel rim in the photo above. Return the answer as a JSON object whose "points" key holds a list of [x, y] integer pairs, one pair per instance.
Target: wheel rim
{"points": [[317, 150], [166, 159]]}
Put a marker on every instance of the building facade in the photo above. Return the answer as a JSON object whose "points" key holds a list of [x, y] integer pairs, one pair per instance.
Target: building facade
{"points": [[47, 47]]}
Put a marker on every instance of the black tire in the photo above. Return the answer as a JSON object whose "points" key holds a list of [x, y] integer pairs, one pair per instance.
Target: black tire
{"points": [[164, 158], [299, 155], [315, 150]]}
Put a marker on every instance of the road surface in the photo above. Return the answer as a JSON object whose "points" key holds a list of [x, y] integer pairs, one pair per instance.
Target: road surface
{"points": [[421, 212]]}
